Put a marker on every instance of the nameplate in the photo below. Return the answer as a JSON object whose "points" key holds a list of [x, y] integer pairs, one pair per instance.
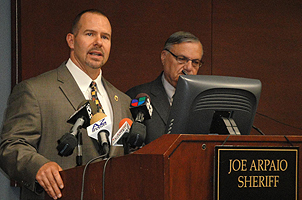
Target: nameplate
{"points": [[261, 173]]}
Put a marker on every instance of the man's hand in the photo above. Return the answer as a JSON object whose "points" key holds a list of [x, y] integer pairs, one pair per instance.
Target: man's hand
{"points": [[50, 179]]}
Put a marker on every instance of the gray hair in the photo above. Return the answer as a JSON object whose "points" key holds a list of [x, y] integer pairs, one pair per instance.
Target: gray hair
{"points": [[180, 37]]}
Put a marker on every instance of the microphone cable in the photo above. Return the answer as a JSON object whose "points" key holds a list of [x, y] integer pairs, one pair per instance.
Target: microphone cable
{"points": [[84, 173], [258, 130], [104, 173], [263, 115], [226, 139]]}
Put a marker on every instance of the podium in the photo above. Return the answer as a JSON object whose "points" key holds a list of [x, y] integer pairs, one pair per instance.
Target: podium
{"points": [[170, 168]]}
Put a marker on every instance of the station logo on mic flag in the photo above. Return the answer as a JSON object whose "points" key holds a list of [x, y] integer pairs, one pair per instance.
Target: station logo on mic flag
{"points": [[138, 102], [141, 106]]}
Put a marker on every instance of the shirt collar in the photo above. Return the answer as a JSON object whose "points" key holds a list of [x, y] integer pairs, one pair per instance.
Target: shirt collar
{"points": [[170, 90], [82, 79]]}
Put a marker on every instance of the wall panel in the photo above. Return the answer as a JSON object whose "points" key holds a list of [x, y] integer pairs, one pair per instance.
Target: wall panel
{"points": [[254, 39], [262, 39], [140, 29]]}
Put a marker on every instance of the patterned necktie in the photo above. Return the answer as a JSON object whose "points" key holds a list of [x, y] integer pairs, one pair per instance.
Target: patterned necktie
{"points": [[171, 100], [95, 97]]}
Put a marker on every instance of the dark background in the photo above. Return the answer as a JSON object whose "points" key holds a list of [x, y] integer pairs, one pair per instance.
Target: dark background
{"points": [[258, 39]]}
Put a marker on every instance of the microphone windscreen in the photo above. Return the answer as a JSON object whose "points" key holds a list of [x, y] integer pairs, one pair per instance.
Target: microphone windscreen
{"points": [[137, 135], [67, 144], [125, 120], [97, 117]]}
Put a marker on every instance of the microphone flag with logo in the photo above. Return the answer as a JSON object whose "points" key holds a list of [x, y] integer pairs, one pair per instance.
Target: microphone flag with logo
{"points": [[80, 119], [125, 125], [141, 108]]}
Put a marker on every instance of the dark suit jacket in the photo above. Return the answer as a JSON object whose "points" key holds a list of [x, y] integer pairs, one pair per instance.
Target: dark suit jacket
{"points": [[35, 119], [161, 107]]}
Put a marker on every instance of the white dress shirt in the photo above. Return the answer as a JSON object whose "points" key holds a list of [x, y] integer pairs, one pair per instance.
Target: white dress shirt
{"points": [[84, 81], [170, 90]]}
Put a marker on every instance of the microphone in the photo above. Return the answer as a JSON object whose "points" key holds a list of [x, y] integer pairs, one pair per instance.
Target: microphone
{"points": [[141, 108], [124, 128], [137, 135], [100, 130], [103, 138], [134, 138], [125, 121], [79, 119], [79, 136], [86, 110]]}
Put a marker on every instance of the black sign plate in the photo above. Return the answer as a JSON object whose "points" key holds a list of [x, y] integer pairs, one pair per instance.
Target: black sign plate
{"points": [[260, 173]]}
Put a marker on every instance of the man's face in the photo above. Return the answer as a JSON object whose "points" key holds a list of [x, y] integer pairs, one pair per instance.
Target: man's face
{"points": [[173, 69], [90, 45]]}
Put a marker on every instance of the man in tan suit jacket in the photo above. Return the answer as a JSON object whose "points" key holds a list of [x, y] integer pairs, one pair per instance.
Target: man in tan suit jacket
{"points": [[38, 109]]}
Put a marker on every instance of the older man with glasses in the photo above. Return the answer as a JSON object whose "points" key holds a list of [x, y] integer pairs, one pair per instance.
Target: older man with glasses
{"points": [[181, 55]]}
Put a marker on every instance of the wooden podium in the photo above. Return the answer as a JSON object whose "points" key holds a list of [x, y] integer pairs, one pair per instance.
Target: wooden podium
{"points": [[171, 167]]}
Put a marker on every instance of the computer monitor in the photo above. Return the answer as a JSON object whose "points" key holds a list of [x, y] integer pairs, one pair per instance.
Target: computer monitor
{"points": [[208, 104]]}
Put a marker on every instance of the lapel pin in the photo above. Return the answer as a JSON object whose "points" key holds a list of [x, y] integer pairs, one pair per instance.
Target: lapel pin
{"points": [[116, 98]]}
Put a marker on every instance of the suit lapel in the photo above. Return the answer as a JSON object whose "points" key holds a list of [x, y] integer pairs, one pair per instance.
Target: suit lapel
{"points": [[114, 101], [159, 99], [74, 95], [69, 87]]}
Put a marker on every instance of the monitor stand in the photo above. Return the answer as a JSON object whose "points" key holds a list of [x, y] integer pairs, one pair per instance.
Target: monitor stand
{"points": [[223, 123]]}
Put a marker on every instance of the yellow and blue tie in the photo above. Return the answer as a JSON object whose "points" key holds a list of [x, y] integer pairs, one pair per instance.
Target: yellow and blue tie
{"points": [[95, 97]]}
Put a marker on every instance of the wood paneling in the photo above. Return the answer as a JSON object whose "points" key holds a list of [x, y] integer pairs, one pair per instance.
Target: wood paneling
{"points": [[262, 40], [173, 167], [140, 29], [254, 39]]}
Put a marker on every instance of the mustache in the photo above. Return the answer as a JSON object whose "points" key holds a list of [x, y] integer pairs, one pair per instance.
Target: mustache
{"points": [[96, 49]]}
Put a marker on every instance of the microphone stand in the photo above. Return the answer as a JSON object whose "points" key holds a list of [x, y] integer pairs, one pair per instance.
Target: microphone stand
{"points": [[79, 148]]}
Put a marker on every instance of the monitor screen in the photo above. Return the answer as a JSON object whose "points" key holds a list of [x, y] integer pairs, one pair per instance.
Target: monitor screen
{"points": [[208, 104]]}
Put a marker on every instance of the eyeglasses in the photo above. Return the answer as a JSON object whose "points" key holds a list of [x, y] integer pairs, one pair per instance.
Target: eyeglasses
{"points": [[183, 59]]}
